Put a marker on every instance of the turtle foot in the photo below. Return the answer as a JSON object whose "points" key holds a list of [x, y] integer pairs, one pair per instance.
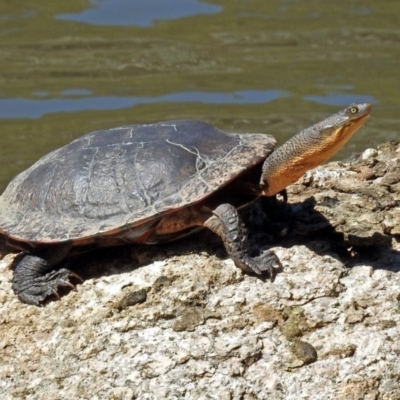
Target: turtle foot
{"points": [[32, 285], [227, 224], [266, 262]]}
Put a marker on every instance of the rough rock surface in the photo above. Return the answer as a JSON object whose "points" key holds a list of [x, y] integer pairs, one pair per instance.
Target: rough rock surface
{"points": [[179, 321]]}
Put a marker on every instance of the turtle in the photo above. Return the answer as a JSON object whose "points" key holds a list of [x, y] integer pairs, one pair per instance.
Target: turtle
{"points": [[153, 183]]}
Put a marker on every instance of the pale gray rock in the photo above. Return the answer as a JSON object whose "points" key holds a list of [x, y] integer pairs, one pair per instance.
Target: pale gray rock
{"points": [[182, 322]]}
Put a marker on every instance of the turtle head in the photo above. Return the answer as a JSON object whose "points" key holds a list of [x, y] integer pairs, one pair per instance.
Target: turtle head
{"points": [[310, 148]]}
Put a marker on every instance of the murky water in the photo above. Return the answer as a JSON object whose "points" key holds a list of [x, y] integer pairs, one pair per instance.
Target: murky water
{"points": [[67, 68]]}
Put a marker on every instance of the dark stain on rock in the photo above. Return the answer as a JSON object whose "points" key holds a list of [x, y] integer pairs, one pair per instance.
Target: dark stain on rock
{"points": [[304, 351]]}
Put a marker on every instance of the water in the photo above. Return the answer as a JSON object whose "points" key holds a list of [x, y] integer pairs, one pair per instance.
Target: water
{"points": [[68, 68], [138, 12]]}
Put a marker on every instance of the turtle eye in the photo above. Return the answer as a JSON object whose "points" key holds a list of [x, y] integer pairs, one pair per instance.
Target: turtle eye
{"points": [[353, 110]]}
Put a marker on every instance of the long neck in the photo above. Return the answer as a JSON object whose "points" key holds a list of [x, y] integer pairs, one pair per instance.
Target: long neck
{"points": [[306, 150]]}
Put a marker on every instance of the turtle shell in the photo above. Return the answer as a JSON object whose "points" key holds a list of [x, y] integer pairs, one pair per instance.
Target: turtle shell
{"points": [[121, 179]]}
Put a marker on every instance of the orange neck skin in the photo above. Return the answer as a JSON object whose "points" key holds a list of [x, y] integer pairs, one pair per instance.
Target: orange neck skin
{"points": [[310, 148]]}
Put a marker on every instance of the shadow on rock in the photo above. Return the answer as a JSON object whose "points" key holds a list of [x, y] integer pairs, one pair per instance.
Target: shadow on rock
{"points": [[320, 226], [270, 223], [351, 241]]}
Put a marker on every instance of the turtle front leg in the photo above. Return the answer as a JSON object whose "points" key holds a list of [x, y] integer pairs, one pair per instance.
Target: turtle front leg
{"points": [[227, 224], [35, 279]]}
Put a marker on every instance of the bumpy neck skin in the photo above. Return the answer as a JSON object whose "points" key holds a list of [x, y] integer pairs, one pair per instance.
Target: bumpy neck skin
{"points": [[310, 148]]}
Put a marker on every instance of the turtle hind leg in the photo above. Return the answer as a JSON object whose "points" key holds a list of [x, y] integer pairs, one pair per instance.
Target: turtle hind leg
{"points": [[35, 279], [226, 223]]}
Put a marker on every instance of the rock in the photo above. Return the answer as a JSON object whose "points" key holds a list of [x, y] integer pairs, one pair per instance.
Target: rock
{"points": [[180, 321]]}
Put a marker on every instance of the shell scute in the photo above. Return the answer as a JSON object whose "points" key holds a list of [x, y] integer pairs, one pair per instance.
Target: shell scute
{"points": [[122, 178]]}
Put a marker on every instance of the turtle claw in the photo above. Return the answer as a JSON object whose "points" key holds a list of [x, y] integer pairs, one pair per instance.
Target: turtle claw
{"points": [[55, 293], [76, 276], [38, 288], [267, 262], [32, 286], [227, 224]]}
